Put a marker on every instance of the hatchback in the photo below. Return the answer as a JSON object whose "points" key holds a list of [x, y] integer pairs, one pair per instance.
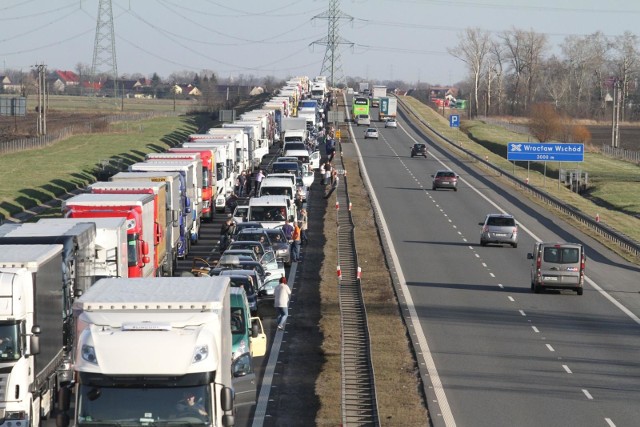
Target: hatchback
{"points": [[371, 133], [363, 119], [500, 229], [445, 179], [391, 123], [419, 150]]}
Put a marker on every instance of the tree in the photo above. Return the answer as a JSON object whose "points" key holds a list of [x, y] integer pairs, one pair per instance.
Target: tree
{"points": [[627, 64], [555, 79], [473, 46], [544, 122]]}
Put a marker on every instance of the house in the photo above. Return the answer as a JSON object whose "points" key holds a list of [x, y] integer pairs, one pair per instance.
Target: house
{"points": [[7, 86], [443, 92], [186, 90], [61, 80]]}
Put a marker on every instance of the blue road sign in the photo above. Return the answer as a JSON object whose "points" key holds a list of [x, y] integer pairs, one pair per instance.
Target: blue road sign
{"points": [[454, 120], [545, 152]]}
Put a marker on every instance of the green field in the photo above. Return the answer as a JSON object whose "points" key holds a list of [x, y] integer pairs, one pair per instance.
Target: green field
{"points": [[32, 177]]}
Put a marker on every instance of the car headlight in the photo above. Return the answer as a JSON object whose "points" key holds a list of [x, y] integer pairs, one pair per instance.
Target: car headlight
{"points": [[200, 353], [89, 354]]}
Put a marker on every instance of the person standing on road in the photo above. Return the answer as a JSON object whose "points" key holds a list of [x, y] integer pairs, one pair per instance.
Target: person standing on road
{"points": [[242, 182], [334, 183], [303, 226], [295, 243], [259, 177], [281, 295]]}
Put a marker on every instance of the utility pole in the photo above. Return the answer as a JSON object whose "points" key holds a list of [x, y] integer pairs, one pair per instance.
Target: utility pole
{"points": [[615, 115], [331, 64], [43, 99]]}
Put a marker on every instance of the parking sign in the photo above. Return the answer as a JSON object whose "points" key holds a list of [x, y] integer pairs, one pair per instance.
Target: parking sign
{"points": [[454, 120]]}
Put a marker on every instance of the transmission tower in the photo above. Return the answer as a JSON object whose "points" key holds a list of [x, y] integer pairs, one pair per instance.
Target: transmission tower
{"points": [[331, 64], [104, 50]]}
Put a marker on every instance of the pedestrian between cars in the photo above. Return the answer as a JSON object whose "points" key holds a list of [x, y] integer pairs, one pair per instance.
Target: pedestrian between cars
{"points": [[281, 296], [295, 243], [303, 226], [287, 228], [334, 183], [242, 182], [259, 177], [326, 172]]}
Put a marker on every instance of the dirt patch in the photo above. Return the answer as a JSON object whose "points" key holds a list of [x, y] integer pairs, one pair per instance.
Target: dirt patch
{"points": [[12, 128]]}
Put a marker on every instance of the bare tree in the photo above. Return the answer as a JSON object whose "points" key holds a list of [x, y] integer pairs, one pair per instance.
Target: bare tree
{"points": [[534, 48], [627, 64], [473, 46], [497, 59], [555, 79], [513, 41]]}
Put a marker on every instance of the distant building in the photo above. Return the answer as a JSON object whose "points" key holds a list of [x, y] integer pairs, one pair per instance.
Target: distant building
{"points": [[7, 86], [60, 81]]}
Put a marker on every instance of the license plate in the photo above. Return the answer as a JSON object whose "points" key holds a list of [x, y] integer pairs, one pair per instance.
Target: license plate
{"points": [[550, 278], [500, 234]]}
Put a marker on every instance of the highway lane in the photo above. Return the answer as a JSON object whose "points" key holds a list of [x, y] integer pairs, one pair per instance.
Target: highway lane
{"points": [[505, 356]]}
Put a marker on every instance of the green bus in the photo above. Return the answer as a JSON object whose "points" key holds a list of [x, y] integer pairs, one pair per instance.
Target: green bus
{"points": [[360, 106]]}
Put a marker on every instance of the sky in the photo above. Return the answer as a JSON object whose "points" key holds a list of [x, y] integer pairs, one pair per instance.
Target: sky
{"points": [[380, 40]]}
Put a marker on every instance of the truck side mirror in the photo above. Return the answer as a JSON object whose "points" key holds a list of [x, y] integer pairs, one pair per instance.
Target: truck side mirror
{"points": [[187, 208], [34, 344], [226, 399], [529, 255]]}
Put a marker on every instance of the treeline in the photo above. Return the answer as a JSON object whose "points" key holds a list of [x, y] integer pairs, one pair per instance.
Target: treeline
{"points": [[513, 70]]}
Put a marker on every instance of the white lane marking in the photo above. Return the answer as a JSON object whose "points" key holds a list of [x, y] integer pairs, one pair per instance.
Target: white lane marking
{"points": [[511, 299], [549, 347], [602, 292], [522, 313], [492, 275], [586, 393], [609, 422], [484, 264], [269, 372], [566, 368], [438, 388], [500, 286], [535, 329]]}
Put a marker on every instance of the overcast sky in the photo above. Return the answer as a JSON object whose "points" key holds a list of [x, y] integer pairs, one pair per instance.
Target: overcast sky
{"points": [[388, 39]]}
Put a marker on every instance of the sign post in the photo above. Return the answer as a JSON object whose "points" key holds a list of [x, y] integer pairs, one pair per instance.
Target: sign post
{"points": [[544, 152], [454, 122]]}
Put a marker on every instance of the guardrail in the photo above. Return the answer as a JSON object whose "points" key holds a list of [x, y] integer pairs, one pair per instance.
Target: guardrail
{"points": [[603, 230]]}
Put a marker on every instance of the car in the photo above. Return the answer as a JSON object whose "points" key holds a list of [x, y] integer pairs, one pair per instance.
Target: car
{"points": [[280, 245], [391, 123], [254, 234], [371, 133], [445, 179], [419, 149], [363, 119], [500, 229]]}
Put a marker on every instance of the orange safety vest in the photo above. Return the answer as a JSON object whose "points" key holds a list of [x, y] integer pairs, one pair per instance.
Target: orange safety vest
{"points": [[296, 233]]}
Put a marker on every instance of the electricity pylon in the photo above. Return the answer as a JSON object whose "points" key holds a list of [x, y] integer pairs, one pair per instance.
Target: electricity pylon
{"points": [[104, 50], [331, 64]]}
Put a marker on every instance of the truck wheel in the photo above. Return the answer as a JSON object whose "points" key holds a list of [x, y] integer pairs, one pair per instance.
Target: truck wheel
{"points": [[537, 289], [580, 291]]}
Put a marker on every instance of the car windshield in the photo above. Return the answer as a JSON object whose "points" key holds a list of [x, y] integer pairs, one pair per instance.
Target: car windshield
{"points": [[419, 146]]}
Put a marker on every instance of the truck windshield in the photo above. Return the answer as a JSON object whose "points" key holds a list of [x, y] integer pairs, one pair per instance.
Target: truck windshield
{"points": [[142, 406], [205, 178], [10, 346]]}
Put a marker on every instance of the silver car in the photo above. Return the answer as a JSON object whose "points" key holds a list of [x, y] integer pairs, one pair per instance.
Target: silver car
{"points": [[500, 229]]}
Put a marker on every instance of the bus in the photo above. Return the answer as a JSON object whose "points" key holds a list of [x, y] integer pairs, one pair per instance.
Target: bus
{"points": [[360, 106]]}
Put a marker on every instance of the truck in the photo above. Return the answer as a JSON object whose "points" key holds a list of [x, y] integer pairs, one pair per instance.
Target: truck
{"points": [[319, 90], [78, 241], [36, 316], [363, 88], [209, 189], [378, 92], [178, 205], [137, 209], [144, 346], [191, 171], [166, 260], [388, 108], [225, 166], [110, 244]]}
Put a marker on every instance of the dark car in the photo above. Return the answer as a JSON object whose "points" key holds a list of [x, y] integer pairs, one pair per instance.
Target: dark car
{"points": [[445, 179], [419, 150], [280, 245], [254, 235], [250, 287]]}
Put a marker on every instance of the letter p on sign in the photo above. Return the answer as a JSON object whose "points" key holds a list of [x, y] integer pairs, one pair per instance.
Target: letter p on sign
{"points": [[454, 120]]}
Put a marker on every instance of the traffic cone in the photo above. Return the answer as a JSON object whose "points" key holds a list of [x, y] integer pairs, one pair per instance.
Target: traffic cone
{"points": [[339, 271], [597, 217]]}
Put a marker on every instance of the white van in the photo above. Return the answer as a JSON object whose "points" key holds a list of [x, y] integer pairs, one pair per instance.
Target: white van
{"points": [[271, 211], [303, 156], [274, 186], [557, 266]]}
